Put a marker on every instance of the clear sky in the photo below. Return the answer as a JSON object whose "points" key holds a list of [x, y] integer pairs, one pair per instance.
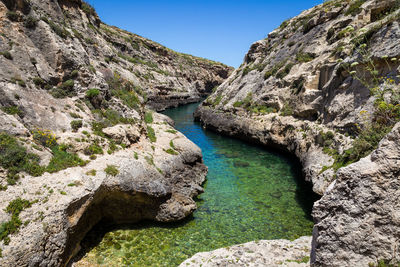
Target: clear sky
{"points": [[221, 30]]}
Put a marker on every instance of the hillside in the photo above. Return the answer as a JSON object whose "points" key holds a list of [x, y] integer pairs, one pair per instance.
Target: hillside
{"points": [[80, 141], [324, 86]]}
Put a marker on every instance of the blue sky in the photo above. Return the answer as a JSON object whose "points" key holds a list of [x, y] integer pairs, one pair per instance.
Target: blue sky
{"points": [[221, 30]]}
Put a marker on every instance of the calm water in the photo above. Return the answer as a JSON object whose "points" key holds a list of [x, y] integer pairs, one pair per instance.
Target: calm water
{"points": [[250, 194]]}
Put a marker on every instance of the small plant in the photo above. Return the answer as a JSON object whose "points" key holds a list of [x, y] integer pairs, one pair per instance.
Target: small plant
{"points": [[63, 193], [88, 9], [171, 144], [136, 156], [30, 22], [287, 110], [111, 170], [12, 226], [75, 115], [304, 57], [66, 89], [75, 125], [148, 117], [44, 137], [93, 149], [7, 55], [13, 110], [151, 134], [39, 82], [149, 160], [171, 151], [92, 93], [91, 173], [12, 15], [355, 7], [171, 131], [15, 159]]}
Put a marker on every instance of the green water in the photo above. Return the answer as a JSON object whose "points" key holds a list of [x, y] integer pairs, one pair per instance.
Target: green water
{"points": [[250, 194]]}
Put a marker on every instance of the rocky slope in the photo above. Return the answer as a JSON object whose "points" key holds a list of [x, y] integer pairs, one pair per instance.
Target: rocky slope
{"points": [[324, 86], [78, 142]]}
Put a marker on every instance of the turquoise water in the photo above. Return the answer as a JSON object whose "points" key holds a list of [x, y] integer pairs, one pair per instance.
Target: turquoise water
{"points": [[250, 194]]}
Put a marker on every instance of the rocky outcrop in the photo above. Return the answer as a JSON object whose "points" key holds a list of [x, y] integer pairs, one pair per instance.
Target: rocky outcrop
{"points": [[258, 253], [152, 185], [321, 87], [358, 219], [79, 144]]}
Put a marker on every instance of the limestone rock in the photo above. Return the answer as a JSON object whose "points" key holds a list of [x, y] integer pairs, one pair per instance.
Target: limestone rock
{"points": [[123, 134], [272, 253], [357, 222]]}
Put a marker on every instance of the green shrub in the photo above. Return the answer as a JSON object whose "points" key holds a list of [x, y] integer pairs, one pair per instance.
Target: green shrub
{"points": [[274, 70], [74, 74], [12, 15], [75, 125], [44, 137], [60, 31], [238, 104], [171, 151], [92, 93], [7, 55], [93, 149], [66, 89], [148, 117], [304, 57], [14, 208], [151, 134], [111, 170], [39, 82], [171, 131], [171, 144], [97, 128], [15, 158], [30, 22], [13, 110], [355, 7], [287, 110], [75, 115], [88, 9], [136, 156], [285, 71], [91, 173], [62, 160]]}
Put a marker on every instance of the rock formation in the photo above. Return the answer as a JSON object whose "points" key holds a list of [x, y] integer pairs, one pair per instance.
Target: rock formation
{"points": [[78, 142], [324, 86], [257, 253]]}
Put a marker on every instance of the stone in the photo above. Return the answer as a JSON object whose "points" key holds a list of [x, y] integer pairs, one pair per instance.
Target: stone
{"points": [[257, 253]]}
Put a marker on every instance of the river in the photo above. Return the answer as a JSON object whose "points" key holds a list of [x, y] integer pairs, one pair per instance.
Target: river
{"points": [[251, 193]]}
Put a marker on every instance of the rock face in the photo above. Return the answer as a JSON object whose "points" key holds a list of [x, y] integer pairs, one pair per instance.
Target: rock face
{"points": [[358, 220], [258, 253], [78, 143], [317, 87]]}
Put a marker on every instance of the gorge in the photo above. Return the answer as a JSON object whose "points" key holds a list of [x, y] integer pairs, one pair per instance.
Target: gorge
{"points": [[84, 149]]}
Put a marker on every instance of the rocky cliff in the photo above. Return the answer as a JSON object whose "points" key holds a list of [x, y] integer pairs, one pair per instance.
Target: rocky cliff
{"points": [[324, 86], [78, 142]]}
